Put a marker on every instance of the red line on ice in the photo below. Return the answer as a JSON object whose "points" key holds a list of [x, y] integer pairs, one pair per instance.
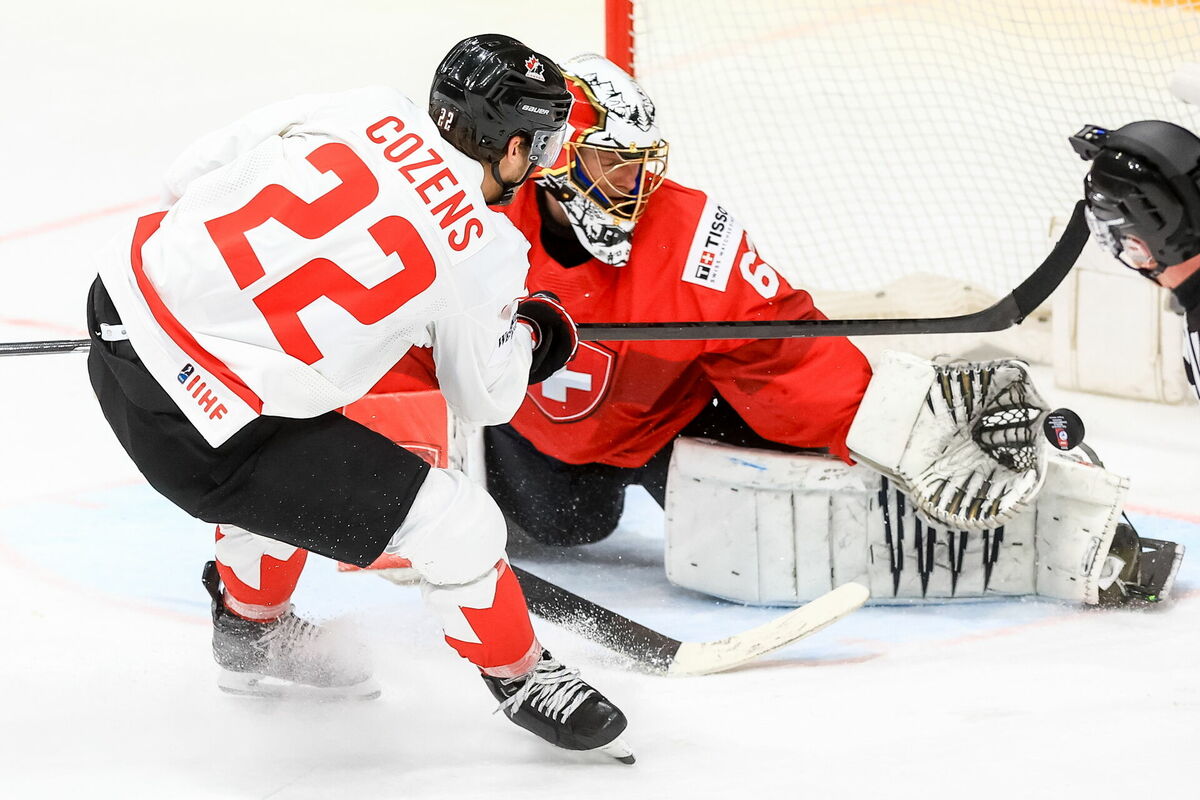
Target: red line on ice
{"points": [[54, 327], [1159, 512], [67, 222]]}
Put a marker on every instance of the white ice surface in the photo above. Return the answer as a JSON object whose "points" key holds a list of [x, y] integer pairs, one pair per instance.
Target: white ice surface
{"points": [[106, 685]]}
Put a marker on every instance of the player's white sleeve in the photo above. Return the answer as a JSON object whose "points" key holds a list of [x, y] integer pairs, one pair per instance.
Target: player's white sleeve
{"points": [[224, 145], [482, 360]]}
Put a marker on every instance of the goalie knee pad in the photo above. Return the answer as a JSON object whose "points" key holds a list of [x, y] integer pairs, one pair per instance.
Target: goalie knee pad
{"points": [[772, 528], [963, 439]]}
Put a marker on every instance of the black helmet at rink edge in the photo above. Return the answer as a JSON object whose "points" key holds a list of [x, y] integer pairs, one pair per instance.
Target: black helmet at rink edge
{"points": [[1143, 202]]}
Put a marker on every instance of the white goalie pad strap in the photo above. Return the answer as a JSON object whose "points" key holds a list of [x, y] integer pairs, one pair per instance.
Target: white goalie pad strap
{"points": [[771, 528], [962, 438]]}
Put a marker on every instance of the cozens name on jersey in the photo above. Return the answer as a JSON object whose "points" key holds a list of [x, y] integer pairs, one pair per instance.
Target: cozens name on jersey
{"points": [[435, 184]]}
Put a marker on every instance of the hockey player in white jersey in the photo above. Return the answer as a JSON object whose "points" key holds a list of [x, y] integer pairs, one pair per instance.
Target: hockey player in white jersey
{"points": [[308, 248]]}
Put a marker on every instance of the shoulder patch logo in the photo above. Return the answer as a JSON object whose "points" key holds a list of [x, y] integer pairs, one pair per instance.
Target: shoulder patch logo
{"points": [[714, 248]]}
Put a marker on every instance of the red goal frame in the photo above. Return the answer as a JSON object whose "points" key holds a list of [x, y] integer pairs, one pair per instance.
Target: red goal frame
{"points": [[618, 33]]}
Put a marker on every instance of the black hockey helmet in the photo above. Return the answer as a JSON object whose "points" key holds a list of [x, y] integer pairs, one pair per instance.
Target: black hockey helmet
{"points": [[1143, 202], [490, 88]]}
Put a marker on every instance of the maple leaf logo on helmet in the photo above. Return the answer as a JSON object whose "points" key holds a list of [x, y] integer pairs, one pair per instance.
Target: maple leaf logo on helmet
{"points": [[534, 68]]}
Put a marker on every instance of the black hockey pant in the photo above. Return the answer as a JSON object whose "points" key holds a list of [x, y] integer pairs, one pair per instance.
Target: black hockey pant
{"points": [[326, 484]]}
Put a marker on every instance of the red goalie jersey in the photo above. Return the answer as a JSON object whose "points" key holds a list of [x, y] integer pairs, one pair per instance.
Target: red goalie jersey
{"points": [[619, 403]]}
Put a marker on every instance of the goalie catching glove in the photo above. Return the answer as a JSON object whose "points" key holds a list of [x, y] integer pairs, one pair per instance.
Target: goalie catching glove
{"points": [[963, 439], [553, 331]]}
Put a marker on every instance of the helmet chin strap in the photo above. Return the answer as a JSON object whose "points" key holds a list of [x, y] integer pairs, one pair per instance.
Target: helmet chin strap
{"points": [[508, 189]]}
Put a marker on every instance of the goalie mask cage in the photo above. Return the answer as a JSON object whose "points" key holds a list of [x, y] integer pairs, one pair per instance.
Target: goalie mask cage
{"points": [[919, 145]]}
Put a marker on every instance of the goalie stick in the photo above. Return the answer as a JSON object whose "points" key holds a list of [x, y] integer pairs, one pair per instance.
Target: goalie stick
{"points": [[1008, 311], [665, 655]]}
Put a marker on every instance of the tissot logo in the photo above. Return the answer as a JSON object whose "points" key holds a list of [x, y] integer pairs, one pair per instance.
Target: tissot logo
{"points": [[714, 248], [575, 390]]}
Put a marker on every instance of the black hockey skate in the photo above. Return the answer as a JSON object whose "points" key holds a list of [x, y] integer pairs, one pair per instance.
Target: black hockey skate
{"points": [[553, 702], [1138, 571], [288, 657]]}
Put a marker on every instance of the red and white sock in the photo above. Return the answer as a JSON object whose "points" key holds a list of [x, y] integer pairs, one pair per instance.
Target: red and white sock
{"points": [[487, 622], [259, 574]]}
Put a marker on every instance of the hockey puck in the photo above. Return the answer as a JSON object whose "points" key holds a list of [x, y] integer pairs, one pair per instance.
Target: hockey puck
{"points": [[1063, 428]]}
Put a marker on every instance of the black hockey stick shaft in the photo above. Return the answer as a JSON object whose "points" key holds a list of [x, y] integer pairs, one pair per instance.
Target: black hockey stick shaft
{"points": [[553, 603], [1008, 311]]}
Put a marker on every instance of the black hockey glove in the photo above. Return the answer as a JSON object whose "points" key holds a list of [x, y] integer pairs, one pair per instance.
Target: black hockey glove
{"points": [[553, 332]]}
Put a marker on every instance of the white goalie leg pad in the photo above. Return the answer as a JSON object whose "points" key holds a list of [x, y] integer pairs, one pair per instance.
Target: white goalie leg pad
{"points": [[764, 527], [1077, 515], [962, 438], [772, 528]]}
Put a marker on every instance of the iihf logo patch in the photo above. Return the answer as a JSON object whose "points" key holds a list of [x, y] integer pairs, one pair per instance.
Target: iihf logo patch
{"points": [[185, 373], [534, 69]]}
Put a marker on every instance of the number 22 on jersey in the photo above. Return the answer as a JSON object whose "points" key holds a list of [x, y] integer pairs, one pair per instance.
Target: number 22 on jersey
{"points": [[281, 303]]}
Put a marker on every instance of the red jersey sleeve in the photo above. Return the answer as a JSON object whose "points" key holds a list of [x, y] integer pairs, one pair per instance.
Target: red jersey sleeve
{"points": [[799, 392]]}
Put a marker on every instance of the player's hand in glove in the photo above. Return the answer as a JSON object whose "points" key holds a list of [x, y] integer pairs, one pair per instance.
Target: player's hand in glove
{"points": [[553, 332]]}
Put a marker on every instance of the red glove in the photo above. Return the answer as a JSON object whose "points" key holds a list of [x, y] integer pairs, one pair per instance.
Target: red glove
{"points": [[553, 332]]}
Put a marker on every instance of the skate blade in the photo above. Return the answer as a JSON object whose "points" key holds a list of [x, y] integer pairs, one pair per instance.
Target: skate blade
{"points": [[253, 684], [619, 750]]}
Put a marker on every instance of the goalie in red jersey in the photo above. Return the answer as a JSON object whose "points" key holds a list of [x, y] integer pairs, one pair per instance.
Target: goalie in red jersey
{"points": [[750, 445], [617, 241]]}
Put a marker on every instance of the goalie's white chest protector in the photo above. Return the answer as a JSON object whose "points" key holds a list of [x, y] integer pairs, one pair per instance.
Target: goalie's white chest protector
{"points": [[311, 245]]}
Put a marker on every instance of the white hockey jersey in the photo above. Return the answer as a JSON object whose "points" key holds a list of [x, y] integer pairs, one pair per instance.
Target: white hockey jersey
{"points": [[310, 245]]}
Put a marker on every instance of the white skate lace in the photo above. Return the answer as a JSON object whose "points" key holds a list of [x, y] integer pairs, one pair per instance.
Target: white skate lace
{"points": [[292, 633], [552, 689]]}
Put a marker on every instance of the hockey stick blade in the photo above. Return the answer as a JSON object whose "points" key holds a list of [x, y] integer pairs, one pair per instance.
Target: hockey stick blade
{"points": [[1009, 311], [665, 655]]}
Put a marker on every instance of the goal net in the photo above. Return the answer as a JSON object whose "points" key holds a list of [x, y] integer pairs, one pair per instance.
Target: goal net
{"points": [[919, 145]]}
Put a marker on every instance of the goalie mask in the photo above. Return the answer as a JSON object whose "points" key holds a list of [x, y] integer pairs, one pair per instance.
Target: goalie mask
{"points": [[613, 160], [1143, 204]]}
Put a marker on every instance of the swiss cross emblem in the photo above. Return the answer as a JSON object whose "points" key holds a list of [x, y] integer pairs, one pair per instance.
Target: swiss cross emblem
{"points": [[707, 258], [575, 390], [534, 68]]}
